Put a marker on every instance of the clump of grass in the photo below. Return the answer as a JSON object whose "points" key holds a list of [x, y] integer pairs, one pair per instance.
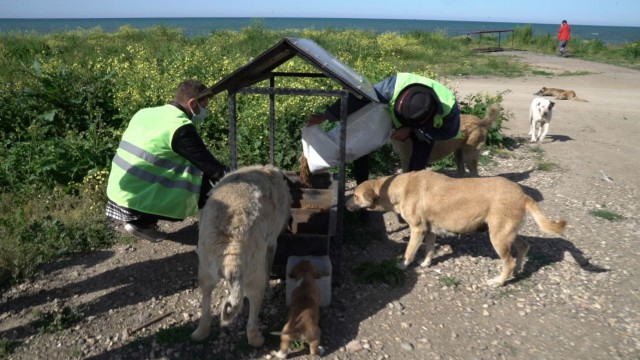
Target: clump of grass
{"points": [[574, 73], [58, 320], [485, 160], [6, 347], [449, 281], [538, 150], [296, 345], [541, 73], [606, 214], [503, 153], [547, 166], [384, 272]]}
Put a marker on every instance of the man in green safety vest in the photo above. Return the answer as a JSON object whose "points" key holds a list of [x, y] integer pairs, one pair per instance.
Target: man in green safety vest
{"points": [[422, 110], [162, 169]]}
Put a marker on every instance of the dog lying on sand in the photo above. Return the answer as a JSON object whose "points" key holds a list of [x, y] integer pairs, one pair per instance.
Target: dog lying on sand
{"points": [[433, 203], [466, 150], [540, 113], [239, 227], [304, 312], [560, 94]]}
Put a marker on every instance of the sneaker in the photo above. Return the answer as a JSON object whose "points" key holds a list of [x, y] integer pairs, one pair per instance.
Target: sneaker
{"points": [[148, 233]]}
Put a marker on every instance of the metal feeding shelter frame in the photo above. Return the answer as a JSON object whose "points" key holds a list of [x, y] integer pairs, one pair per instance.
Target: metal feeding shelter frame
{"points": [[491, 48], [262, 68]]}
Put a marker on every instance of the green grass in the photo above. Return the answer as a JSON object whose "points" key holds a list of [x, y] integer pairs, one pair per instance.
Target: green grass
{"points": [[386, 272], [55, 321], [547, 166], [574, 73], [449, 281], [538, 150], [6, 347], [541, 73], [607, 215]]}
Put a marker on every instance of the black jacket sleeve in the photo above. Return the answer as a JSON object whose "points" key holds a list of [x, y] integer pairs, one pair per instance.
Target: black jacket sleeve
{"points": [[188, 143]]}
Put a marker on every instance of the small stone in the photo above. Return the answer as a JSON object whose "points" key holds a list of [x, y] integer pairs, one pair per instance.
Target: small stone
{"points": [[354, 346], [407, 346]]}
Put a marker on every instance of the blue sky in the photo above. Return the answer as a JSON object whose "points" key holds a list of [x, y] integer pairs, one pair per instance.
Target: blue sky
{"points": [[582, 12]]}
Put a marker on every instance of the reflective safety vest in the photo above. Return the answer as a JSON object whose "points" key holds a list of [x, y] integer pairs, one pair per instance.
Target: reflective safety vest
{"points": [[146, 174], [446, 97]]}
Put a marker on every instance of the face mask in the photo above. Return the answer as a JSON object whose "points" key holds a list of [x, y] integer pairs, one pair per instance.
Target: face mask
{"points": [[197, 119]]}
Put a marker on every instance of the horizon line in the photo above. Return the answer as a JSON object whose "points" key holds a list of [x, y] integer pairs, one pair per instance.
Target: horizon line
{"points": [[292, 17]]}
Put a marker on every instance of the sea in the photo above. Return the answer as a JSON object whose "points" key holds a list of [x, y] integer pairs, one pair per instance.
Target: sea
{"points": [[193, 27]]}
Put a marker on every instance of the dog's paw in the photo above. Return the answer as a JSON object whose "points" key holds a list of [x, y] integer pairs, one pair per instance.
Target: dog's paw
{"points": [[200, 334], [255, 338], [425, 263], [280, 354], [321, 350], [402, 265], [495, 282]]}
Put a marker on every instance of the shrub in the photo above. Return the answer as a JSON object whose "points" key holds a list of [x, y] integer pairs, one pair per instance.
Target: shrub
{"points": [[477, 104]]}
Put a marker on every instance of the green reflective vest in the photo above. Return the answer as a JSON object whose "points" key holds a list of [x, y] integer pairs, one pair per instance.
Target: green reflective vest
{"points": [[146, 174], [446, 97]]}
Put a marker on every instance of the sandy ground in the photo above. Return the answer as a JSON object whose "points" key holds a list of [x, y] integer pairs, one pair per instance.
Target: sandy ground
{"points": [[590, 137]]}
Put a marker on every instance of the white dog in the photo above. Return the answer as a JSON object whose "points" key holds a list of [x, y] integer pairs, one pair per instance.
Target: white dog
{"points": [[239, 227], [539, 118]]}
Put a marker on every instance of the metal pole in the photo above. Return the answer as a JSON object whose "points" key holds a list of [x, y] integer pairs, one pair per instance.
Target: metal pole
{"points": [[272, 117], [233, 146], [344, 103]]}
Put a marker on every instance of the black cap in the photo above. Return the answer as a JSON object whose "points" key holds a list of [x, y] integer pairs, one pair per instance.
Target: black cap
{"points": [[416, 105]]}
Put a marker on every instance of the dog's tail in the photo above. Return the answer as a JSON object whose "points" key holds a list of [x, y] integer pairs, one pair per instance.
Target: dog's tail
{"points": [[548, 226], [575, 98], [492, 114], [233, 305], [305, 172]]}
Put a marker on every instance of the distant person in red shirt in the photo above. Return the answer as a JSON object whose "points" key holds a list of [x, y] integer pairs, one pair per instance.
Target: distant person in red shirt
{"points": [[564, 34]]}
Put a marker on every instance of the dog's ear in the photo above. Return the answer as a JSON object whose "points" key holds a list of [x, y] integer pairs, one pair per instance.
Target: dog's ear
{"points": [[551, 105], [292, 274], [370, 197]]}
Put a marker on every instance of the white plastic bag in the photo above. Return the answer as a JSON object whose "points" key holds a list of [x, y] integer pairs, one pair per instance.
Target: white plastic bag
{"points": [[367, 129]]}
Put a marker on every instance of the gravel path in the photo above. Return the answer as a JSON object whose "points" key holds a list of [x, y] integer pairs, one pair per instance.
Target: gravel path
{"points": [[578, 297]]}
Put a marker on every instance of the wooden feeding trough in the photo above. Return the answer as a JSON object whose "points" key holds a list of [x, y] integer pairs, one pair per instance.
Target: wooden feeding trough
{"points": [[317, 211], [313, 220]]}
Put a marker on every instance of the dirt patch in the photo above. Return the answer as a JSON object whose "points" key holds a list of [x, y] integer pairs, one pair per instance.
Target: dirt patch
{"points": [[576, 299]]}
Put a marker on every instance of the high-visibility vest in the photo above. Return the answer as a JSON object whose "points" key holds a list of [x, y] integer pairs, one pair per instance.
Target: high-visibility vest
{"points": [[446, 97], [146, 174]]}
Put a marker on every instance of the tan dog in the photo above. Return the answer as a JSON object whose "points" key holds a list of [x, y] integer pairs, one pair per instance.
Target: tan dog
{"points": [[239, 227], [304, 312], [433, 203], [559, 94], [466, 149]]}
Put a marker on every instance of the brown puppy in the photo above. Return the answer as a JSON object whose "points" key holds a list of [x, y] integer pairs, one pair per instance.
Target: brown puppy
{"points": [[304, 312], [559, 94], [433, 203], [466, 150]]}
